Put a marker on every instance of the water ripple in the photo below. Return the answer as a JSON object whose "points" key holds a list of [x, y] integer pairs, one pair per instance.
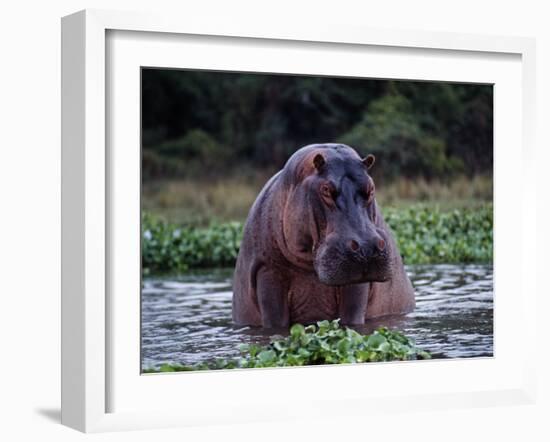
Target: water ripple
{"points": [[188, 319]]}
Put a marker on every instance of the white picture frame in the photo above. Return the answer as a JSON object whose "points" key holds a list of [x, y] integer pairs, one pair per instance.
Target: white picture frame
{"points": [[89, 171]]}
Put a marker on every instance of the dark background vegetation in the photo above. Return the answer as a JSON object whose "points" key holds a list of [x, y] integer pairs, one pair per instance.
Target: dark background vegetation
{"points": [[210, 140], [416, 128]]}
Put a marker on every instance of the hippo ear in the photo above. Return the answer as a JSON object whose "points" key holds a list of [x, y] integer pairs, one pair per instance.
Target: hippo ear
{"points": [[319, 162], [368, 161]]}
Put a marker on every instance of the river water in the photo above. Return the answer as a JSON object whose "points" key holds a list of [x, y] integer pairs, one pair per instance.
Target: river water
{"points": [[187, 319]]}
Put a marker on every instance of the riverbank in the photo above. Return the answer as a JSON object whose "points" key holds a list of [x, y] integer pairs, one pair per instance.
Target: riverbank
{"points": [[425, 235], [195, 201]]}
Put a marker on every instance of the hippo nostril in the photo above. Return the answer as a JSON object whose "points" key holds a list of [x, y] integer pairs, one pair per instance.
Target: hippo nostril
{"points": [[381, 244], [354, 245]]}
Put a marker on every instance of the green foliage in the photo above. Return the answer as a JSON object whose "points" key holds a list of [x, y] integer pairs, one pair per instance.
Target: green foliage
{"points": [[196, 152], [428, 236], [391, 130], [324, 343], [425, 129], [424, 235], [169, 247]]}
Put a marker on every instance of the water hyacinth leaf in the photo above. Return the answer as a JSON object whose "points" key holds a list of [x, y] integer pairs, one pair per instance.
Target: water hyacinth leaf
{"points": [[375, 340], [165, 368], [266, 356], [305, 339], [304, 353], [243, 348], [323, 326], [326, 343], [424, 234], [343, 346], [297, 330], [253, 350]]}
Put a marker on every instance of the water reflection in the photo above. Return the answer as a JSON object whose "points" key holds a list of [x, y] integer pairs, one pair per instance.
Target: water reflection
{"points": [[188, 319]]}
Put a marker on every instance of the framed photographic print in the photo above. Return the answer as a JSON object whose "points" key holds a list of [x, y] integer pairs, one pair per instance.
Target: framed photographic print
{"points": [[254, 212]]}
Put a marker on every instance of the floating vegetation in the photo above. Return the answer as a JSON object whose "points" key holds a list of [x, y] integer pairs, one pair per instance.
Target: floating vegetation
{"points": [[324, 343], [425, 235]]}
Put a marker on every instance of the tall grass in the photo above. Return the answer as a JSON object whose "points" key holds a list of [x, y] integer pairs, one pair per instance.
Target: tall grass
{"points": [[200, 202], [459, 192]]}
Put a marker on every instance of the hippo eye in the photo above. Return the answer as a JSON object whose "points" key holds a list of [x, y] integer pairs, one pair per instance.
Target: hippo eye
{"points": [[327, 191], [369, 195]]}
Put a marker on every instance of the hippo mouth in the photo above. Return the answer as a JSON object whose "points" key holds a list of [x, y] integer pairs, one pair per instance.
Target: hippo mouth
{"points": [[336, 268]]}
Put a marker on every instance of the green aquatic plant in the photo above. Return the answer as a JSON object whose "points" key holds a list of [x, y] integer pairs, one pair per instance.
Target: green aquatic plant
{"points": [[324, 343], [430, 236], [424, 235], [170, 247]]}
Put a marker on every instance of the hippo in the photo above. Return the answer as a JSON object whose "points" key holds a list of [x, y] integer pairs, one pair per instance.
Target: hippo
{"points": [[315, 246]]}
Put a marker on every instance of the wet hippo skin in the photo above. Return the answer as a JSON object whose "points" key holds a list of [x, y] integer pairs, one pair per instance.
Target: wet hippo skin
{"points": [[315, 246]]}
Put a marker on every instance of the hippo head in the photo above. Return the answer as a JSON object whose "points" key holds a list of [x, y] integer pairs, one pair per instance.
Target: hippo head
{"points": [[333, 216]]}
